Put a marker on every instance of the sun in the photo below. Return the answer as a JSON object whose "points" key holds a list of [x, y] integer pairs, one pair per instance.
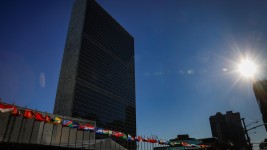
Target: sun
{"points": [[247, 68]]}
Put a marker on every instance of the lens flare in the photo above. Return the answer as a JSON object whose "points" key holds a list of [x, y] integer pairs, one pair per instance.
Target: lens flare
{"points": [[247, 68]]}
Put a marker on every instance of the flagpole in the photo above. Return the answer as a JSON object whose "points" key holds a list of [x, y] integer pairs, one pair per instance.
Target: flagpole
{"points": [[43, 130], [95, 140], [21, 125], [12, 128], [8, 122], [147, 144], [82, 139], [110, 140], [119, 147], [25, 125], [142, 143], [100, 144], [127, 143], [69, 136], [106, 144], [61, 132], [76, 137], [115, 143], [52, 134], [32, 127], [89, 139]]}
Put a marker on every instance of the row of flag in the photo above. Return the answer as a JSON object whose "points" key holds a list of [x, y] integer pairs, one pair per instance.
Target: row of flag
{"points": [[4, 108], [69, 123]]}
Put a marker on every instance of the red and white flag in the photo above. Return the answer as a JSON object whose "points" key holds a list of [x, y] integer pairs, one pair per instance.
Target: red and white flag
{"points": [[6, 108]]}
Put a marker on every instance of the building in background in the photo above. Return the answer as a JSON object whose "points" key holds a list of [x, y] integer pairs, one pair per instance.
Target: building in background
{"points": [[97, 77], [228, 129], [260, 91]]}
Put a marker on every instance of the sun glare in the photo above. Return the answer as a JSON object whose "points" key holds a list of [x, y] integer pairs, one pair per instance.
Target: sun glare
{"points": [[247, 68]]}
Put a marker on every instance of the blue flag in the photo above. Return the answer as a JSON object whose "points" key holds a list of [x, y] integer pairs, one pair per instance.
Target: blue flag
{"points": [[75, 125]]}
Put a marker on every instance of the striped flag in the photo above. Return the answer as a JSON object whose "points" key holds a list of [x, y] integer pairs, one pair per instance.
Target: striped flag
{"points": [[86, 127], [6, 108], [105, 131]]}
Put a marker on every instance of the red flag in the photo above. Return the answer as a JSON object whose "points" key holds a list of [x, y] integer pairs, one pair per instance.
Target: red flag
{"points": [[15, 111], [6, 108], [48, 119], [152, 140], [117, 134], [145, 139], [39, 117], [28, 113]]}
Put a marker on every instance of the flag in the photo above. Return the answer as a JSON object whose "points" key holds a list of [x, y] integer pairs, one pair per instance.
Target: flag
{"points": [[39, 117], [48, 119], [139, 139], [151, 140], [136, 139], [75, 125], [105, 131], [130, 138], [145, 139], [124, 136], [110, 132], [15, 111], [88, 127], [28, 113], [67, 123], [57, 120], [6, 108], [99, 131], [117, 134]]}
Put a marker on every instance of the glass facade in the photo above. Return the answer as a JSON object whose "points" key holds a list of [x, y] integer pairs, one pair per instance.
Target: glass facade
{"points": [[104, 77]]}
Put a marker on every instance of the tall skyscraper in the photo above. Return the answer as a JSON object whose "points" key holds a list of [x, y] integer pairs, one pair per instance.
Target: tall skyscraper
{"points": [[97, 77], [228, 128], [260, 91]]}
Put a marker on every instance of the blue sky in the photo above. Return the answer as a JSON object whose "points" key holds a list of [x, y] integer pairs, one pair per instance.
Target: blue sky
{"points": [[185, 58]]}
